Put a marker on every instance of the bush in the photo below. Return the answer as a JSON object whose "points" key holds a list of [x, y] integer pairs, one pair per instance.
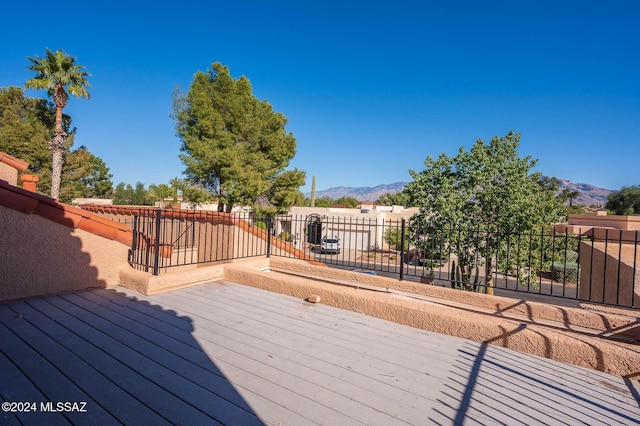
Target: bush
{"points": [[564, 272], [260, 224], [393, 237], [572, 256], [285, 236]]}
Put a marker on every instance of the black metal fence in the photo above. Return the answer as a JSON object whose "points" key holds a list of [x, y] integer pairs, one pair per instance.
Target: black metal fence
{"points": [[598, 265]]}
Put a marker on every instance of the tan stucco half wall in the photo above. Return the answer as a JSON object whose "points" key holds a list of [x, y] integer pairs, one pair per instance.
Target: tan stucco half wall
{"points": [[626, 326], [481, 320], [40, 257], [181, 277]]}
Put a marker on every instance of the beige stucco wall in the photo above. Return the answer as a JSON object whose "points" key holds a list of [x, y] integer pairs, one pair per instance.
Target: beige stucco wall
{"points": [[609, 273], [39, 257], [626, 223], [9, 174]]}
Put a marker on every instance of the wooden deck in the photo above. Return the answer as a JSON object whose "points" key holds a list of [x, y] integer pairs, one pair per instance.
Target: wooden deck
{"points": [[230, 354]]}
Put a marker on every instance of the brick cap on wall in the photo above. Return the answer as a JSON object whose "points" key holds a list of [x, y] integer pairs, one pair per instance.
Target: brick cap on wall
{"points": [[14, 162], [30, 203]]}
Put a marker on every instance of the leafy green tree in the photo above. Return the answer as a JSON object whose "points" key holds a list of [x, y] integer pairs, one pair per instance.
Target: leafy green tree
{"points": [[85, 176], [177, 187], [160, 193], [568, 195], [626, 201], [393, 237], [550, 183], [283, 189], [99, 179], [396, 199], [349, 202], [553, 184], [141, 195], [233, 144], [475, 202], [125, 194], [27, 127], [59, 75], [23, 133], [325, 201], [195, 195]]}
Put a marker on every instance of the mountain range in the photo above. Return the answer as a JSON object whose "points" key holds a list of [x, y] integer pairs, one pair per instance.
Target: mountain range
{"points": [[590, 195]]}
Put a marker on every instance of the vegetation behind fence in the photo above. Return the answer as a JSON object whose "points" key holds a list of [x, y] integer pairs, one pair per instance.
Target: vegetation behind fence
{"points": [[592, 266]]}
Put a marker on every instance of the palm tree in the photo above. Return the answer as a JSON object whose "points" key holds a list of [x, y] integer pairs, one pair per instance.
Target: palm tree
{"points": [[59, 75]]}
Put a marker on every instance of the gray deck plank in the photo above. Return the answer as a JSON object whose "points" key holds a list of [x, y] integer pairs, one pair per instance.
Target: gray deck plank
{"points": [[362, 389], [233, 356], [124, 366], [294, 363], [186, 380], [358, 387], [16, 387], [83, 372], [218, 398], [54, 386], [317, 338], [271, 411], [560, 380], [381, 328], [351, 378], [569, 399]]}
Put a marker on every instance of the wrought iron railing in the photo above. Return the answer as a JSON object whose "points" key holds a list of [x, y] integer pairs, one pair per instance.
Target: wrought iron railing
{"points": [[597, 265]]}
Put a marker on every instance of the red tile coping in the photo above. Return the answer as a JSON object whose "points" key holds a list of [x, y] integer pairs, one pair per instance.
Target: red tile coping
{"points": [[204, 216], [215, 218], [14, 162], [282, 245], [28, 202]]}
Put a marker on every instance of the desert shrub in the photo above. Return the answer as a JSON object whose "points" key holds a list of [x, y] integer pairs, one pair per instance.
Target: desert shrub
{"points": [[393, 237], [284, 235], [564, 272]]}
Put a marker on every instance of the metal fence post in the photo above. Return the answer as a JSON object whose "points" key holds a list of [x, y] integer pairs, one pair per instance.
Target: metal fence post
{"points": [[269, 227], [156, 255], [402, 249], [134, 241]]}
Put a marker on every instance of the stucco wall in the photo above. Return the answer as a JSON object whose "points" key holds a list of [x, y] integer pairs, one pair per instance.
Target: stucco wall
{"points": [[39, 257], [9, 174], [609, 273], [626, 223]]}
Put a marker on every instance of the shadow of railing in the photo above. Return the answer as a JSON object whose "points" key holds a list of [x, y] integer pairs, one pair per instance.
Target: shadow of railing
{"points": [[131, 361], [501, 386]]}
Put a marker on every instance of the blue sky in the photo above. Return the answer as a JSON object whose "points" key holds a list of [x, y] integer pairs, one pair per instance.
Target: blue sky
{"points": [[370, 88]]}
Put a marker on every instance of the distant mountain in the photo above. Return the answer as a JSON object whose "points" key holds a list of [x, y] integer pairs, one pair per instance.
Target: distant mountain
{"points": [[364, 193], [589, 194]]}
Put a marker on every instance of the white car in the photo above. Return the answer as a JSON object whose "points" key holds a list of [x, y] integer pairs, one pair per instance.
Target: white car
{"points": [[330, 245]]}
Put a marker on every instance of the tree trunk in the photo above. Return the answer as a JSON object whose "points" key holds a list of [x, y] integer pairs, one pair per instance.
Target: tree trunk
{"points": [[56, 172], [57, 147], [489, 275]]}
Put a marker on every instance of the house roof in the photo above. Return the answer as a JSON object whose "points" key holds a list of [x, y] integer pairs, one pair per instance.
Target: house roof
{"points": [[14, 162], [30, 203]]}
